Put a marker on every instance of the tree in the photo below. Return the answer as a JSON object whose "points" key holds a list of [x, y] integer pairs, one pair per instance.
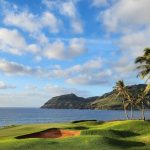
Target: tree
{"points": [[144, 64], [144, 67], [142, 100], [121, 92]]}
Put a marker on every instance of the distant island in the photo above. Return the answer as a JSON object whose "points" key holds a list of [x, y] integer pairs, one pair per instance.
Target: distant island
{"points": [[108, 101]]}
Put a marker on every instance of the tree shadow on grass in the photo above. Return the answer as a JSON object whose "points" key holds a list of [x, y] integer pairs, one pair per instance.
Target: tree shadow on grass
{"points": [[110, 133], [80, 121], [123, 143], [124, 133]]}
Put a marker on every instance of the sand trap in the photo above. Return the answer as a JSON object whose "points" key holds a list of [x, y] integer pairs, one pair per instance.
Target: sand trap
{"points": [[51, 133]]}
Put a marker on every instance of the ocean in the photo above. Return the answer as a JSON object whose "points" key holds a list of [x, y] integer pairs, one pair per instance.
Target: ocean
{"points": [[13, 116]]}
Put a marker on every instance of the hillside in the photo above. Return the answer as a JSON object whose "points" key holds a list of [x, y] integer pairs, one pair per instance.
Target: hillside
{"points": [[69, 101], [106, 101], [110, 100]]}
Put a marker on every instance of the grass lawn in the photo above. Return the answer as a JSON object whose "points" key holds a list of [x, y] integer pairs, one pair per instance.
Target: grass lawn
{"points": [[115, 135]]}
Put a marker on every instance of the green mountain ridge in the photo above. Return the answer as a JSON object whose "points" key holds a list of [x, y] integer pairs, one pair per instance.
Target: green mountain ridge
{"points": [[107, 101]]}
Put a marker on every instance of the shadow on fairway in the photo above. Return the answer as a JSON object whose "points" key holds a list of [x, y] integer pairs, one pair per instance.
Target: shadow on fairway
{"points": [[78, 128], [122, 143], [124, 133]]}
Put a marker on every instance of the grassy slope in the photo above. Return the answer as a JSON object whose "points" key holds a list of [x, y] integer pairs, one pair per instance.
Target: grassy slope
{"points": [[94, 136]]}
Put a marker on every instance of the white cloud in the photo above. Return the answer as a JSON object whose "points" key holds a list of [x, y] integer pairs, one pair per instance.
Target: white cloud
{"points": [[3, 85], [33, 48], [127, 15], [24, 20], [41, 38], [68, 9], [33, 23], [86, 67], [88, 73], [13, 68], [60, 50], [98, 78], [55, 50], [76, 47], [50, 4], [11, 41], [123, 67], [77, 26], [48, 19], [134, 43]]}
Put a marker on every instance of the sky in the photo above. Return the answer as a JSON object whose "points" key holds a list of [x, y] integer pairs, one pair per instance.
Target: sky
{"points": [[54, 47]]}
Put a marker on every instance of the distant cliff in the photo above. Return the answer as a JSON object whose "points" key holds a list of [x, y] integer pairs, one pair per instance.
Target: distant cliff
{"points": [[69, 101], [106, 101]]}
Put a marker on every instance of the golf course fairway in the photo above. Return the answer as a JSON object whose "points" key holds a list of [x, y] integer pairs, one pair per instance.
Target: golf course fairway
{"points": [[82, 135]]}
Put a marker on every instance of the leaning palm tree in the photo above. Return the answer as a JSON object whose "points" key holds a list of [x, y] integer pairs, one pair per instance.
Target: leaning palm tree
{"points": [[121, 92], [144, 64], [144, 67]]}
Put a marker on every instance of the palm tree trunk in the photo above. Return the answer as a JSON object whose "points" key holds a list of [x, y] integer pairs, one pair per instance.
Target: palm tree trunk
{"points": [[143, 114], [125, 111], [131, 110]]}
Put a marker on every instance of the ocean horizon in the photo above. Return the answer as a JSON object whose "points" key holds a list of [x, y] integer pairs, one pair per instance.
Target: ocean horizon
{"points": [[25, 115]]}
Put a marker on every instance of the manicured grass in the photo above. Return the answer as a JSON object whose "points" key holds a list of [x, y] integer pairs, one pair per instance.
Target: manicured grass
{"points": [[115, 135]]}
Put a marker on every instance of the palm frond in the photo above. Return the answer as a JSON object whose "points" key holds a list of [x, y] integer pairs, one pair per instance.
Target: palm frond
{"points": [[142, 74], [140, 59], [145, 66], [147, 51], [147, 89]]}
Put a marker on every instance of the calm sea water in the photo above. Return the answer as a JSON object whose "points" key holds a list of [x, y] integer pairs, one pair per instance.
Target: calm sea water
{"points": [[11, 116]]}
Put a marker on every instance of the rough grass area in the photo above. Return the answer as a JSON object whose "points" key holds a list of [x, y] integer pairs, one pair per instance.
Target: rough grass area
{"points": [[115, 135]]}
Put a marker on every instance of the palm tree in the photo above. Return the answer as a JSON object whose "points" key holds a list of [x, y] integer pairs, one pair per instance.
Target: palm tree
{"points": [[121, 92], [144, 64], [144, 67], [143, 99]]}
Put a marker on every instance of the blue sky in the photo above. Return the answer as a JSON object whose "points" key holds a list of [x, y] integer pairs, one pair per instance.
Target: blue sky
{"points": [[53, 47]]}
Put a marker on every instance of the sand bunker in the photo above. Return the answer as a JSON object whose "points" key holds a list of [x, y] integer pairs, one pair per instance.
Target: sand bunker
{"points": [[51, 133]]}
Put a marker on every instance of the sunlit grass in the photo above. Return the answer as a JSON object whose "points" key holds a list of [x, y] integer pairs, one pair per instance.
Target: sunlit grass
{"points": [[94, 136]]}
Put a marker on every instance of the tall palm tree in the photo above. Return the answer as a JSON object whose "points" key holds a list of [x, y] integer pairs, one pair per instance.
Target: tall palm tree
{"points": [[144, 67], [143, 99], [121, 92]]}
